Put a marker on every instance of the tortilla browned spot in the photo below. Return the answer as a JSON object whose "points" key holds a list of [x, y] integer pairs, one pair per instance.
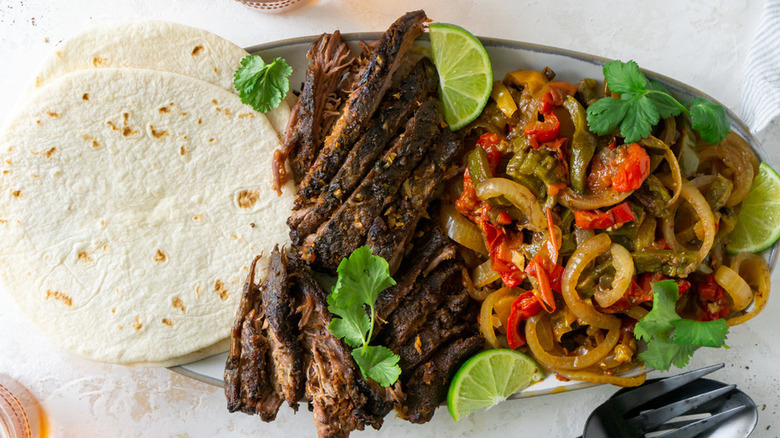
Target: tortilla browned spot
{"points": [[59, 296], [221, 290], [177, 303], [247, 198], [158, 134]]}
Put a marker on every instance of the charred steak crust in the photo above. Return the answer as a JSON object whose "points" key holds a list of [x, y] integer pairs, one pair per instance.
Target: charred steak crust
{"points": [[427, 387], [346, 230], [329, 59], [453, 319], [427, 248], [282, 330], [370, 87], [248, 371], [397, 107], [429, 293], [338, 402], [391, 231]]}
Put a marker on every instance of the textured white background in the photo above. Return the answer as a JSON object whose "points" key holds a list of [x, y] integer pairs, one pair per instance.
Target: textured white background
{"points": [[703, 43]]}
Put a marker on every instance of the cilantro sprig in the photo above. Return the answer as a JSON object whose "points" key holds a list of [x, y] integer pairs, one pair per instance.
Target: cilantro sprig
{"points": [[361, 277], [261, 85], [672, 340], [644, 102]]}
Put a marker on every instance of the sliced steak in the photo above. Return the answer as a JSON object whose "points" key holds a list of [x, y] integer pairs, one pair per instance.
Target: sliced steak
{"points": [[454, 318], [281, 324], [338, 403], [392, 230], [428, 247], [249, 369], [329, 59], [427, 387], [429, 293], [346, 230], [370, 87], [398, 106]]}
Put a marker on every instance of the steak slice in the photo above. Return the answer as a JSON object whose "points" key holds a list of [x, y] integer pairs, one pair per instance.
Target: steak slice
{"points": [[426, 249], [392, 230], [427, 387], [249, 370], [338, 402], [429, 293], [398, 106], [346, 230], [454, 318], [329, 59], [371, 84], [281, 324]]}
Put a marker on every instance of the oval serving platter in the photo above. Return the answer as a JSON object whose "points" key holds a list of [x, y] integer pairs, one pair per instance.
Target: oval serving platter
{"points": [[505, 56]]}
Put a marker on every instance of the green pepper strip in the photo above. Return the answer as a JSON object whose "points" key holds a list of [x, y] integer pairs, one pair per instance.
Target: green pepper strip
{"points": [[583, 145], [671, 263], [479, 169]]}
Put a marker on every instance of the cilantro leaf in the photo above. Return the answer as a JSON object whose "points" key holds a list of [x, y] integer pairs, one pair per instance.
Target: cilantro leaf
{"points": [[665, 104], [605, 114], [661, 353], [624, 77], [659, 320], [710, 120], [378, 363], [352, 326], [701, 333], [362, 276], [261, 85], [672, 340], [643, 103], [640, 119]]}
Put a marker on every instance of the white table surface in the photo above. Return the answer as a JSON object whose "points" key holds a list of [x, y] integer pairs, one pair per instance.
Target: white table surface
{"points": [[703, 42]]}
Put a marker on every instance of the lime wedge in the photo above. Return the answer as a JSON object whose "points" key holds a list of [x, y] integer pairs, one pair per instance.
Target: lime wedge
{"points": [[489, 378], [758, 222], [465, 74]]}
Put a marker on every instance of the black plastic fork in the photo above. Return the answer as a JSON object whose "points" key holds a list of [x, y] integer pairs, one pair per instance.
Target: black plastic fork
{"points": [[638, 411]]}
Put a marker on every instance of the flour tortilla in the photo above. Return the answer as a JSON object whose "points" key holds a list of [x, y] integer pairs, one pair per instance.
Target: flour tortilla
{"points": [[131, 205], [154, 45]]}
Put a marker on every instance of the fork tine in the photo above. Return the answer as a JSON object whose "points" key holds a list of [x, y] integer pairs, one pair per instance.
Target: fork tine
{"points": [[695, 428], [647, 421], [637, 397]]}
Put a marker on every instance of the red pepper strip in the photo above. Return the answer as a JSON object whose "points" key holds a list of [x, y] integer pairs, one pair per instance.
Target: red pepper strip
{"points": [[489, 142], [468, 203], [503, 218], [534, 269], [524, 307], [546, 130], [546, 103], [597, 220], [500, 255], [633, 170], [712, 299], [564, 88], [544, 266], [555, 97], [552, 242], [641, 291]]}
